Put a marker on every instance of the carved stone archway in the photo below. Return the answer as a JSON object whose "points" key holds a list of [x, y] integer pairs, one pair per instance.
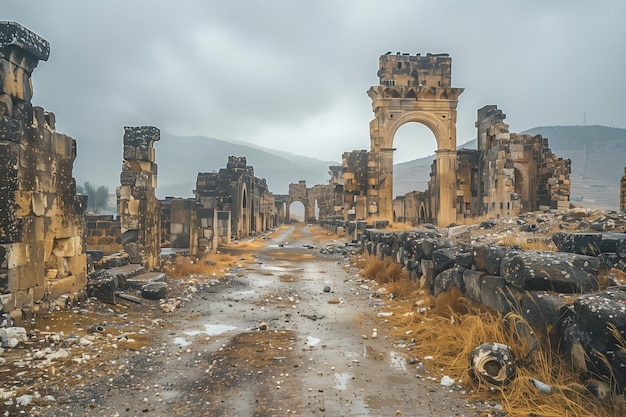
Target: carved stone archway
{"points": [[414, 89]]}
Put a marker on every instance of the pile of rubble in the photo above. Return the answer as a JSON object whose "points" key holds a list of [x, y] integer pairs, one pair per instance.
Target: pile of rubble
{"points": [[573, 289]]}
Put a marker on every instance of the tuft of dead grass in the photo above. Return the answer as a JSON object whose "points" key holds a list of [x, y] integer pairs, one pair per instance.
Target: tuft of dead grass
{"points": [[210, 265]]}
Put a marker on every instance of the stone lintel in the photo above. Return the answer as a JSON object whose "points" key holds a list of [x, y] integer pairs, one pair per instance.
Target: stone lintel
{"points": [[141, 135], [13, 34]]}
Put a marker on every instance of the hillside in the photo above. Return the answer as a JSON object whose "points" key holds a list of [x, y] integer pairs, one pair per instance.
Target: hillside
{"points": [[598, 155], [181, 158]]}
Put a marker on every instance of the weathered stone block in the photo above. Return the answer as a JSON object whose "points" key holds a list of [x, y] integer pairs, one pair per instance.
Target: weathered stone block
{"points": [[489, 257], [581, 243], [428, 274], [10, 129], [472, 280], [141, 135], [449, 278], [551, 271], [128, 178], [154, 291], [102, 285], [448, 257], [542, 309], [495, 294]]}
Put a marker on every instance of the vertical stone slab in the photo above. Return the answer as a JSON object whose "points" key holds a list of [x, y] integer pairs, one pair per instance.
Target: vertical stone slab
{"points": [[622, 199], [138, 208], [41, 217]]}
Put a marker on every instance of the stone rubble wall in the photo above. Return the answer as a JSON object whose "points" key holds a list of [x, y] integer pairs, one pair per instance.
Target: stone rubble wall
{"points": [[42, 225], [104, 233], [138, 207], [556, 292]]}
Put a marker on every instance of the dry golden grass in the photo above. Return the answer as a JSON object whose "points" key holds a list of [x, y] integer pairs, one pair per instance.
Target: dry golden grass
{"points": [[539, 244], [452, 327], [211, 265]]}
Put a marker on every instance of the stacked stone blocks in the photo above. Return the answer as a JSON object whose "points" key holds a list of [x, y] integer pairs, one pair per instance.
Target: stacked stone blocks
{"points": [[138, 207], [42, 226]]}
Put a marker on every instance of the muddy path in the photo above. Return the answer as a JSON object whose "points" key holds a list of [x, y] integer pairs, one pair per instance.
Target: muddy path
{"points": [[267, 340]]}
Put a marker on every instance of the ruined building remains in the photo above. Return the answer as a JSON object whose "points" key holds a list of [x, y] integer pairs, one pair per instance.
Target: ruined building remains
{"points": [[138, 207], [322, 201], [506, 175], [233, 192], [42, 255], [413, 89], [622, 199]]}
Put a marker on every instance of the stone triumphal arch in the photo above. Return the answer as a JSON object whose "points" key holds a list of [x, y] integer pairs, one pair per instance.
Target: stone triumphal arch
{"points": [[413, 89]]}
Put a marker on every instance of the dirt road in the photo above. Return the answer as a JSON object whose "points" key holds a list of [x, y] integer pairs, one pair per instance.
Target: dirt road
{"points": [[267, 340]]}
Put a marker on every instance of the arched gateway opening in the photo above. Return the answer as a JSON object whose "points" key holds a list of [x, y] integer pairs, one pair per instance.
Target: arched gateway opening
{"points": [[414, 89]]}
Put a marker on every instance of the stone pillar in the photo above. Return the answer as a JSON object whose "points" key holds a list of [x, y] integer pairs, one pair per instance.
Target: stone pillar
{"points": [[446, 187], [383, 208], [138, 207], [42, 223], [622, 200]]}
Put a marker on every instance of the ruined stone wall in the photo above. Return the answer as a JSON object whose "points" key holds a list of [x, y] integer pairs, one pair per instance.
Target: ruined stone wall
{"points": [[467, 200], [622, 199], [183, 224], [356, 173], [42, 225], [235, 189], [413, 208], [138, 207], [104, 233], [432, 70]]}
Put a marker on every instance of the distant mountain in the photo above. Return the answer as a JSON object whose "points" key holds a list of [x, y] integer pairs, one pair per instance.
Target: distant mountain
{"points": [[598, 155], [181, 158]]}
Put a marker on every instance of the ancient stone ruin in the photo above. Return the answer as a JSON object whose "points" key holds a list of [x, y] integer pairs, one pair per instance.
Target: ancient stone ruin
{"points": [[506, 175], [138, 206], [557, 292], [236, 190], [42, 224]]}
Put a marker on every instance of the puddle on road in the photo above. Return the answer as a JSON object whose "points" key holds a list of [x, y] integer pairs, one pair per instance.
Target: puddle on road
{"points": [[341, 379], [312, 341], [181, 341], [209, 330]]}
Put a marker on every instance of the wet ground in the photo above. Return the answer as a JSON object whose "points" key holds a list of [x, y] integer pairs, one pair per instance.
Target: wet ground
{"points": [[267, 340]]}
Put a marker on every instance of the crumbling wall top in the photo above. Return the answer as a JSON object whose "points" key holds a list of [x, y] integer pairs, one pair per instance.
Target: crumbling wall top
{"points": [[432, 70], [14, 35], [141, 135]]}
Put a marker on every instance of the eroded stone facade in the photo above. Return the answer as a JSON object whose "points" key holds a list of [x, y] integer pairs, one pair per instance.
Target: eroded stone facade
{"points": [[235, 189], [42, 225], [508, 174], [413, 89], [138, 207]]}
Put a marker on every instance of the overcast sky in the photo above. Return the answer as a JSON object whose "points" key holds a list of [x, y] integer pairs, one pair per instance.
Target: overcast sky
{"points": [[293, 75]]}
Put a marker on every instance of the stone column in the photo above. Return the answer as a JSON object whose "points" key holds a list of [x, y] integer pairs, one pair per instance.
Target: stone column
{"points": [[446, 187], [138, 207], [42, 225], [622, 203]]}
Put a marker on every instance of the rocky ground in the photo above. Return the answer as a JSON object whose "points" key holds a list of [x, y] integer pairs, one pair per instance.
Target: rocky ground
{"points": [[292, 330]]}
